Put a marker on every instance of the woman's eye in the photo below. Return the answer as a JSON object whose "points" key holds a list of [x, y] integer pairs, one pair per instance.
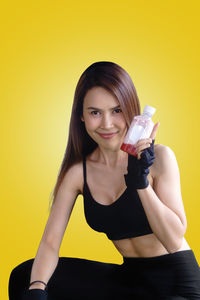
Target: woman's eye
{"points": [[118, 110], [94, 112]]}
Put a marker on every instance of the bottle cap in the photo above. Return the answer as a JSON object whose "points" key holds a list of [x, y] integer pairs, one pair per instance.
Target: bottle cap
{"points": [[149, 110]]}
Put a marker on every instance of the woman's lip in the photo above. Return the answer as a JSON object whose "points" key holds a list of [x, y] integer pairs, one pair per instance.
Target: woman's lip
{"points": [[107, 135]]}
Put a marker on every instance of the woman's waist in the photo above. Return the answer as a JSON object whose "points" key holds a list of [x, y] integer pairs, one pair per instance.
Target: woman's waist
{"points": [[180, 264], [168, 258], [147, 246]]}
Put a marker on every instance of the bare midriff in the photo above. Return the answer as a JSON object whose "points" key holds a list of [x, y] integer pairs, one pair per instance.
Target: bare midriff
{"points": [[144, 246]]}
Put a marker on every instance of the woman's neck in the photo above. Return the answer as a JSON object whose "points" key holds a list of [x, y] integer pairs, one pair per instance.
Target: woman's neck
{"points": [[110, 158]]}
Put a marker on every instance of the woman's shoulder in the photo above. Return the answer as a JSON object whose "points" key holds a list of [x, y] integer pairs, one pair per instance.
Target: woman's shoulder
{"points": [[75, 173], [164, 156], [162, 151]]}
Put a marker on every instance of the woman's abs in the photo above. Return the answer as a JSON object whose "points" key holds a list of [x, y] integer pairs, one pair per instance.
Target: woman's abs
{"points": [[145, 246]]}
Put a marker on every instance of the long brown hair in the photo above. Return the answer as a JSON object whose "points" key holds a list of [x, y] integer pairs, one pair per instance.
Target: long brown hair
{"points": [[114, 79]]}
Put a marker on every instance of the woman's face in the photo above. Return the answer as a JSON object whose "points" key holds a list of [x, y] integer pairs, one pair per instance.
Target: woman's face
{"points": [[102, 115]]}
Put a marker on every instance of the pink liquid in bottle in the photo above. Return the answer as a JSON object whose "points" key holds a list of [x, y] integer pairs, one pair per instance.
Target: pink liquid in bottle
{"points": [[129, 148]]}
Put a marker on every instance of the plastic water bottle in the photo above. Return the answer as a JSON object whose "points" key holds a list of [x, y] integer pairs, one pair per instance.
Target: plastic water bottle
{"points": [[140, 128]]}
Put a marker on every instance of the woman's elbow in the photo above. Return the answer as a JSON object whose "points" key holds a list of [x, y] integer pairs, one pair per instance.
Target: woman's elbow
{"points": [[176, 246]]}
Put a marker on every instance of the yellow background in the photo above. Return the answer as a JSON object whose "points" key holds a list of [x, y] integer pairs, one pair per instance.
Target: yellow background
{"points": [[46, 45]]}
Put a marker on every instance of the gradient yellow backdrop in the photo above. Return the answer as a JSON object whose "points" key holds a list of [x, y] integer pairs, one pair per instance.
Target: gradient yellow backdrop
{"points": [[46, 45]]}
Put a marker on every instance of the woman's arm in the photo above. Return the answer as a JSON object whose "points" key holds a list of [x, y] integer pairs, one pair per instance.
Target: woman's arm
{"points": [[44, 265], [163, 203], [47, 255]]}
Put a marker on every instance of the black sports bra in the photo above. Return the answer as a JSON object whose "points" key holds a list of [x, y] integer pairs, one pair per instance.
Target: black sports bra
{"points": [[124, 218]]}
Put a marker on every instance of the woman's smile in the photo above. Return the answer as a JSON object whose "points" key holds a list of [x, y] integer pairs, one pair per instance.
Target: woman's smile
{"points": [[107, 135]]}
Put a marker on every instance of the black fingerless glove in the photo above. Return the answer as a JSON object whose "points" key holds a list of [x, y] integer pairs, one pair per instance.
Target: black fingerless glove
{"points": [[138, 168], [35, 294]]}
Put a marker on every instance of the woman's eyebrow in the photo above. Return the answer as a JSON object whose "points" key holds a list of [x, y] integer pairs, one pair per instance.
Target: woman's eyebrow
{"points": [[96, 108]]}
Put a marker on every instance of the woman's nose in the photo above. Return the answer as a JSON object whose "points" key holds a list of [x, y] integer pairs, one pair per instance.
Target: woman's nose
{"points": [[106, 121]]}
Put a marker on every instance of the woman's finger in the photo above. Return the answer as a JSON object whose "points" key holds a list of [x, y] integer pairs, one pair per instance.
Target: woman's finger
{"points": [[141, 148], [143, 142], [154, 131], [139, 155]]}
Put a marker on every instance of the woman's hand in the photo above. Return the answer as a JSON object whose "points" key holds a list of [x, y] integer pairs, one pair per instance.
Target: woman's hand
{"points": [[35, 294], [138, 167], [146, 143]]}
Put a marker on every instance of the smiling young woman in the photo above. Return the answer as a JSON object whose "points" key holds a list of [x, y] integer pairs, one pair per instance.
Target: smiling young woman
{"points": [[135, 201]]}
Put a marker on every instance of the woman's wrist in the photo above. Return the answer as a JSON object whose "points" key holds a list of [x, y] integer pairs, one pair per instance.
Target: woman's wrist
{"points": [[37, 285]]}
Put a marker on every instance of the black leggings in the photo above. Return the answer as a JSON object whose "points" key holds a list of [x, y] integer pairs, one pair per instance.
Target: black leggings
{"points": [[170, 276]]}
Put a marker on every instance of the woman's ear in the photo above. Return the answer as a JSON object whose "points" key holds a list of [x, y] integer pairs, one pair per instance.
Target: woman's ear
{"points": [[82, 119]]}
